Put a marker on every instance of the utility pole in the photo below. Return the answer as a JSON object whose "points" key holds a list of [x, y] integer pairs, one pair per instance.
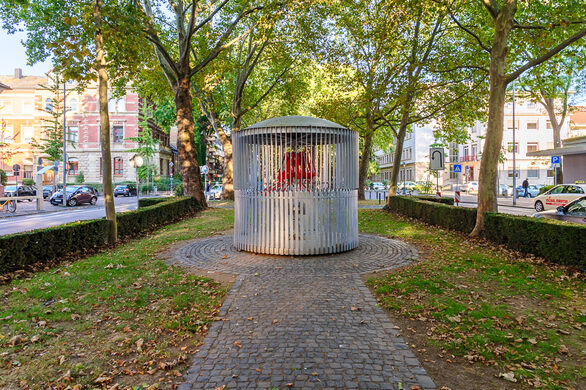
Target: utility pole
{"points": [[64, 144], [514, 153]]}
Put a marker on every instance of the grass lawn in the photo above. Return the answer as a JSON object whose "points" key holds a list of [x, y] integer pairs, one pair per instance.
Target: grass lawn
{"points": [[469, 305], [121, 316]]}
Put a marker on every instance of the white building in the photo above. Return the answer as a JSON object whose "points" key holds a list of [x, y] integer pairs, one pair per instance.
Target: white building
{"points": [[533, 132]]}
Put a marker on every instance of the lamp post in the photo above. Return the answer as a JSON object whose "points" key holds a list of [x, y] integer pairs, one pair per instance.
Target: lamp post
{"points": [[136, 162], [514, 153], [171, 177], [64, 144]]}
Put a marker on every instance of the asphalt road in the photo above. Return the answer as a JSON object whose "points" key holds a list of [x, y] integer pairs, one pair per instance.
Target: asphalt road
{"points": [[55, 215]]}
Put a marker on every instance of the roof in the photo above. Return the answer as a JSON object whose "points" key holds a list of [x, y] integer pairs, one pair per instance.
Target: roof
{"points": [[4, 86], [571, 146], [296, 121], [26, 82]]}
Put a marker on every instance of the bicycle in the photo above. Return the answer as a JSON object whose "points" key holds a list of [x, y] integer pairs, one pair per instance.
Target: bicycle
{"points": [[11, 205]]}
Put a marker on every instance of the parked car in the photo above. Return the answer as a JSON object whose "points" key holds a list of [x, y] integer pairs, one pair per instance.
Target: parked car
{"points": [[532, 191], [20, 191], [47, 192], [471, 186], [559, 195], [409, 185], [215, 192], [572, 212], [125, 190], [505, 190], [377, 185], [76, 195]]}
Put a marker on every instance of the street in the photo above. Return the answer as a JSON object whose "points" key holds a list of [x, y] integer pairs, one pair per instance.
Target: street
{"points": [[55, 215], [524, 205]]}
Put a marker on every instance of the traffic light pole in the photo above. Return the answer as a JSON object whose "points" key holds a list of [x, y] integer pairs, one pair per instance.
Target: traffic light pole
{"points": [[64, 146]]}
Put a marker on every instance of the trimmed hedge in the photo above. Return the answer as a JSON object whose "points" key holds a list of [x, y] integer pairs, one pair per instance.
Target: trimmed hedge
{"points": [[43, 245], [432, 212], [146, 202], [134, 222], [449, 201], [556, 241]]}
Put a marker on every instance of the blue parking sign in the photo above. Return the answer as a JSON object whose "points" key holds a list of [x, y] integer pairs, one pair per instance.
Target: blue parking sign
{"points": [[457, 168], [555, 159]]}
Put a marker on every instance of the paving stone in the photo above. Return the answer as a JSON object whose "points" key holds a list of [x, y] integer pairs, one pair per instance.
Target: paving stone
{"points": [[303, 321]]}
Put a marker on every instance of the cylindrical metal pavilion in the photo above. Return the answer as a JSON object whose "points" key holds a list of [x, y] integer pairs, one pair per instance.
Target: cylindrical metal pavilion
{"points": [[295, 187]]}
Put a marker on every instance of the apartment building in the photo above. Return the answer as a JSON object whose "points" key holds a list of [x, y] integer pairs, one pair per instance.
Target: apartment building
{"points": [[414, 157], [21, 110], [532, 132]]}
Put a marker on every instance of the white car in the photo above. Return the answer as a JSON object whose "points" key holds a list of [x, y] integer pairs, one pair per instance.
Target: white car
{"points": [[559, 195], [377, 185], [215, 192]]}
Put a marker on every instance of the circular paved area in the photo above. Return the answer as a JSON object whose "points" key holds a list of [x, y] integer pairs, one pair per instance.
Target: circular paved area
{"points": [[302, 322]]}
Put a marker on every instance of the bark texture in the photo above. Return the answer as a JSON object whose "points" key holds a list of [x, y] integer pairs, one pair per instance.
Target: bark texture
{"points": [[556, 125], [487, 200], [189, 167], [104, 124], [365, 157]]}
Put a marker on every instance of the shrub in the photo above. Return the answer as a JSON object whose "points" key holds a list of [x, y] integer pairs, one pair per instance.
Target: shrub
{"points": [[560, 242], [28, 181], [449, 201], [3, 177], [146, 202], [178, 190], [80, 178], [44, 245], [22, 249], [434, 212], [544, 189]]}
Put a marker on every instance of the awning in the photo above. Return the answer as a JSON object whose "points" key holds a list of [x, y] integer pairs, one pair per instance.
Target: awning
{"points": [[566, 150]]}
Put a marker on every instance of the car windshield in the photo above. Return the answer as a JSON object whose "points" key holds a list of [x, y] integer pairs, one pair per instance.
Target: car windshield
{"points": [[10, 188], [120, 187]]}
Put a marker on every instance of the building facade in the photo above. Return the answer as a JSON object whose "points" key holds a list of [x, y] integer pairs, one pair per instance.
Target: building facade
{"points": [[23, 117]]}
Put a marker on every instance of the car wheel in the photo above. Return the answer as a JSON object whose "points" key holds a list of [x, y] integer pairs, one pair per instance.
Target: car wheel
{"points": [[93, 201], [115, 195], [538, 206], [72, 202]]}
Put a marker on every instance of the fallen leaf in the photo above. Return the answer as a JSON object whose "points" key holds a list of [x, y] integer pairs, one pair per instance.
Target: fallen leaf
{"points": [[139, 344], [275, 321], [563, 349], [61, 360], [15, 340], [236, 343], [509, 376], [354, 308], [103, 379]]}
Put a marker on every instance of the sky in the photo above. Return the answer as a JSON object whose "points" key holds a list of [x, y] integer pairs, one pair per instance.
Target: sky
{"points": [[12, 55]]}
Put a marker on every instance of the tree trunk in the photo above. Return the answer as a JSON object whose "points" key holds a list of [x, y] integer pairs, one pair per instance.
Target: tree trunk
{"points": [[487, 200], [228, 176], [399, 147], [189, 167], [104, 124], [556, 125], [365, 158]]}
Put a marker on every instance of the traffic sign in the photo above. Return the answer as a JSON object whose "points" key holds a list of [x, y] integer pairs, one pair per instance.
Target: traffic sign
{"points": [[204, 169], [457, 168], [436, 159], [457, 197], [555, 161], [16, 167]]}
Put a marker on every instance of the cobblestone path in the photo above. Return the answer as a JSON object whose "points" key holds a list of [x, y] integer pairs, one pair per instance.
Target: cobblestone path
{"points": [[302, 322]]}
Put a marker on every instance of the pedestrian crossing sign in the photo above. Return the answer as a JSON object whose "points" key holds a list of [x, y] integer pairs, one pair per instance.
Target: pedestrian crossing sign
{"points": [[457, 168]]}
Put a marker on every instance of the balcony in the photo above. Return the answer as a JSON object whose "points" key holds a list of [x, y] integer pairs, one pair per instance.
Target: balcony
{"points": [[468, 158]]}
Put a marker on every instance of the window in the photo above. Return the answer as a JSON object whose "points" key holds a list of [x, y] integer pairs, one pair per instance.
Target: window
{"points": [[6, 106], [532, 147], [534, 173], [548, 125], [550, 173], [409, 135], [530, 104], [73, 167], [7, 135], [117, 105], [72, 106], [531, 125], [118, 131], [474, 150], [48, 104], [407, 154], [27, 134], [510, 147], [27, 107], [573, 190], [511, 173], [73, 134], [118, 166], [510, 124]]}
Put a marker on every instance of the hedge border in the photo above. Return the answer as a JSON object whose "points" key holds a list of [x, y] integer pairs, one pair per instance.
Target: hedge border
{"points": [[146, 202], [556, 241], [44, 245]]}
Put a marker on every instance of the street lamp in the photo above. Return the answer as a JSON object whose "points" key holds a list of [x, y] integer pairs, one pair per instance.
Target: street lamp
{"points": [[514, 153], [136, 162]]}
